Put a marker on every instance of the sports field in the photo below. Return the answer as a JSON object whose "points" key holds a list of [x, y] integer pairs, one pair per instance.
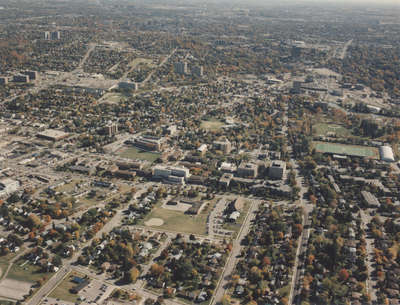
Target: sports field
{"points": [[348, 150], [136, 153]]}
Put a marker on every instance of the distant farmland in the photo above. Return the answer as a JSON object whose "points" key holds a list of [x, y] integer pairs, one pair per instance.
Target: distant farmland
{"points": [[348, 150]]}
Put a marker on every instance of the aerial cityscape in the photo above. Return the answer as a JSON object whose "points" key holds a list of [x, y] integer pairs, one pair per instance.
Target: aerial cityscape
{"points": [[176, 152]]}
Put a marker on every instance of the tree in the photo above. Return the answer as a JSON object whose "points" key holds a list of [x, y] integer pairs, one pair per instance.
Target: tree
{"points": [[255, 274], [57, 260], [132, 275], [33, 221], [266, 261], [297, 229], [226, 300], [343, 275], [157, 270]]}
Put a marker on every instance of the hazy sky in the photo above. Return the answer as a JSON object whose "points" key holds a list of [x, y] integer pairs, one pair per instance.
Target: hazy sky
{"points": [[383, 2]]}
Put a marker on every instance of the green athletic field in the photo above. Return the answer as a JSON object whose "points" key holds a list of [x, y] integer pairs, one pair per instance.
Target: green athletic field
{"points": [[348, 150]]}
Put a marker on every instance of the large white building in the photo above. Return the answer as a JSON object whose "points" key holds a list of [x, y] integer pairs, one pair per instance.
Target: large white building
{"points": [[166, 171], [8, 186], [386, 153]]}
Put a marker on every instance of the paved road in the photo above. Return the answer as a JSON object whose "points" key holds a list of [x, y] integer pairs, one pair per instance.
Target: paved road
{"points": [[295, 287], [49, 286], [92, 46], [345, 48], [371, 284], [233, 257]]}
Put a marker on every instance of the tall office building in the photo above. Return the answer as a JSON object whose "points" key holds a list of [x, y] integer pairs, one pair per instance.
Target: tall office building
{"points": [[55, 35], [197, 71], [181, 67], [111, 129]]}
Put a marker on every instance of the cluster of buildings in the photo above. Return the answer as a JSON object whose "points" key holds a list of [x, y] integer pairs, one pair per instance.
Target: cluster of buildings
{"points": [[183, 69], [172, 175], [22, 77], [54, 35]]}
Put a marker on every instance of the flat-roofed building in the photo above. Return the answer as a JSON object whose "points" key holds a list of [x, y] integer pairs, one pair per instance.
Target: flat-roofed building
{"points": [[148, 143], [3, 80], [8, 186], [228, 167], [277, 169], [181, 67], [225, 146], [202, 149], [21, 78], [247, 170], [386, 153], [175, 175], [198, 71], [53, 135], [33, 75], [111, 129], [370, 199], [226, 179]]}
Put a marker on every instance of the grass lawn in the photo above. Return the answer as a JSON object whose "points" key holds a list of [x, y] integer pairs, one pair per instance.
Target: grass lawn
{"points": [[211, 125], [5, 261], [114, 97], [138, 61], [4, 302], [26, 273], [136, 153], [344, 149], [180, 222], [84, 201], [323, 129], [62, 291], [285, 290]]}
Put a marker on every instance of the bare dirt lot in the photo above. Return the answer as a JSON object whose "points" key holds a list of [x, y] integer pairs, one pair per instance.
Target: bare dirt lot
{"points": [[13, 289], [182, 207], [154, 222]]}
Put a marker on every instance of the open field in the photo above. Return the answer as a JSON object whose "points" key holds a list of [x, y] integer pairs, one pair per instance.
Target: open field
{"points": [[68, 187], [180, 222], [138, 61], [348, 150], [136, 153], [62, 290], [5, 302], [28, 272], [5, 262], [326, 129], [211, 125], [114, 97], [13, 289]]}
